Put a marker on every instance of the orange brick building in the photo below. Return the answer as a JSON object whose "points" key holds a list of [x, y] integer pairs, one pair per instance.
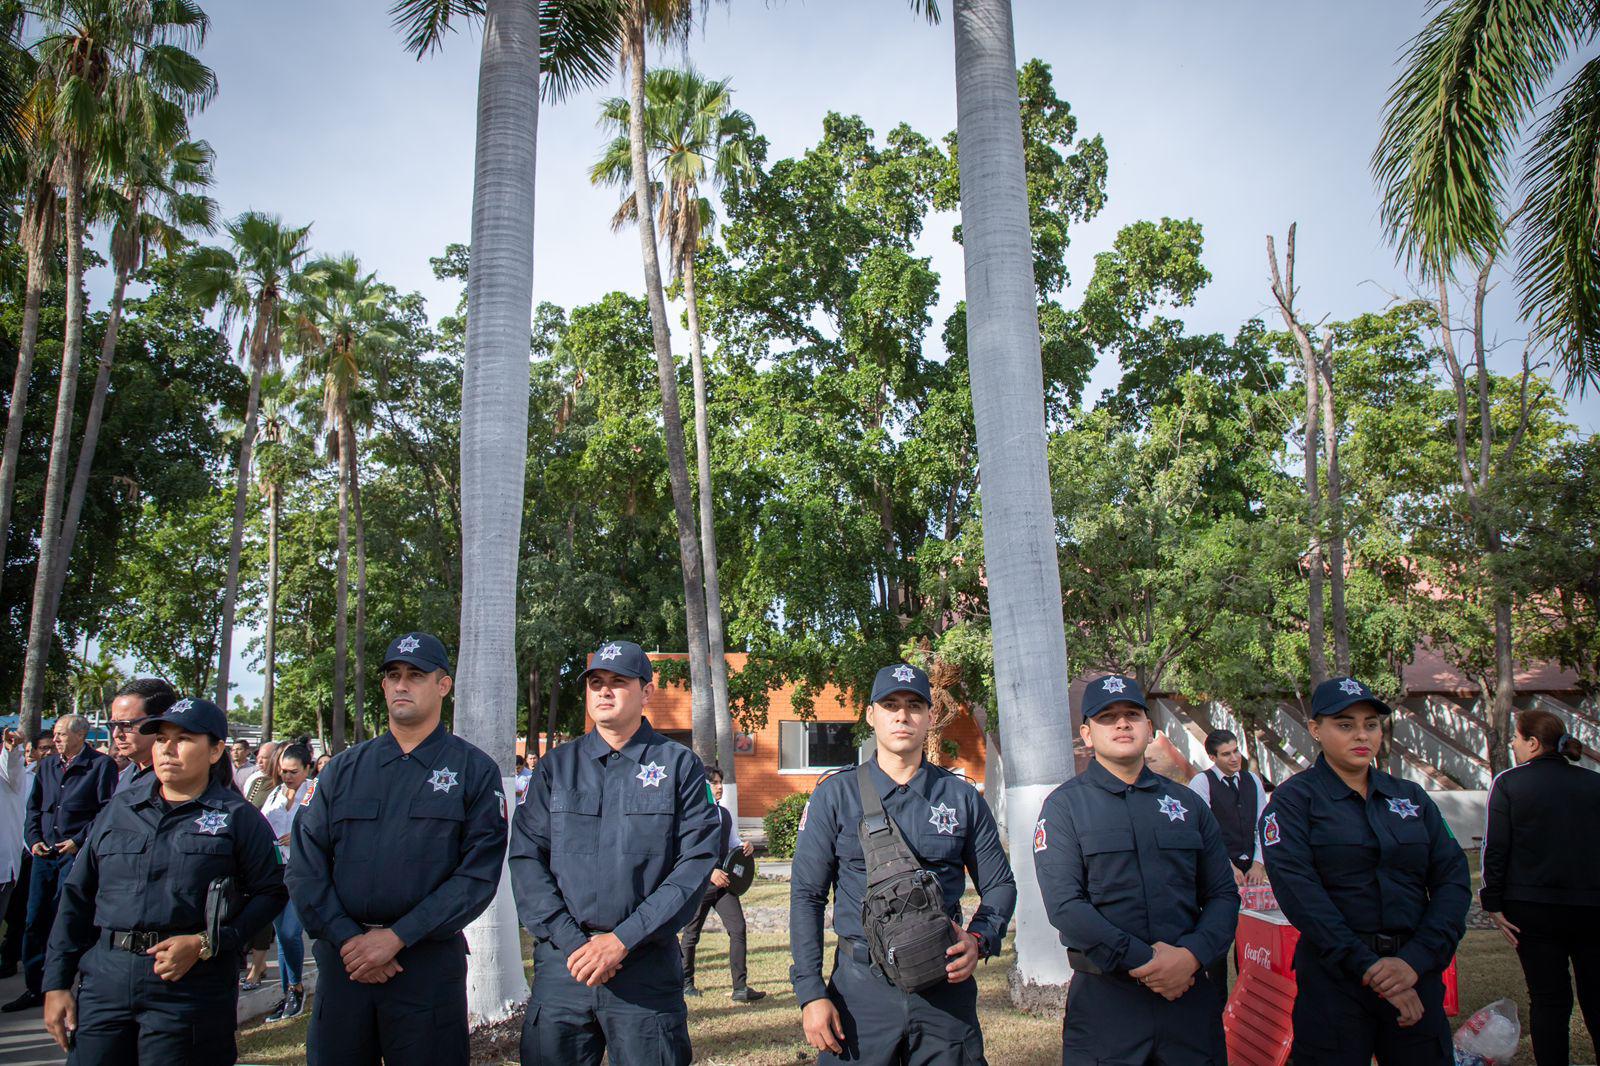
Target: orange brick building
{"points": [[790, 754]]}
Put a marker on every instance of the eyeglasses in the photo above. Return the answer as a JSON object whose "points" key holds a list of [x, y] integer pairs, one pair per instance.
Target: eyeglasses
{"points": [[129, 725]]}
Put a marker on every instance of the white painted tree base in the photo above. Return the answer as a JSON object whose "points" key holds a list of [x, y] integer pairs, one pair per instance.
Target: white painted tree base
{"points": [[495, 982], [1041, 960]]}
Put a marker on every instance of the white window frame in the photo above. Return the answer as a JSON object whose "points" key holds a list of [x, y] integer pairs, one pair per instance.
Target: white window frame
{"points": [[809, 770]]}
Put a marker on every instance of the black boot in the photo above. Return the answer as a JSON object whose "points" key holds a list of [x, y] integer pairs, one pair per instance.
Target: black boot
{"points": [[747, 995]]}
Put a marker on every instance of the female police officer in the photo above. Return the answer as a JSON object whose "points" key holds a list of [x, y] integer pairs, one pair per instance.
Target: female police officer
{"points": [[158, 985], [1365, 868]]}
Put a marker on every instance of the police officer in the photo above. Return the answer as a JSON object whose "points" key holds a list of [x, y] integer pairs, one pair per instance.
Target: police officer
{"points": [[400, 847], [1136, 879], [132, 924], [858, 1016], [1365, 868], [610, 854]]}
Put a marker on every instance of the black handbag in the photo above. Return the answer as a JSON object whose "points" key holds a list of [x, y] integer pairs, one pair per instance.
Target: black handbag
{"points": [[902, 911]]}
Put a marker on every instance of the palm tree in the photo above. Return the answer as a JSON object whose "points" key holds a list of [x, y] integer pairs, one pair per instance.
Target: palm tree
{"points": [[571, 42], [694, 135], [251, 284], [1030, 655], [98, 62], [149, 203], [1472, 80], [343, 325], [270, 475]]}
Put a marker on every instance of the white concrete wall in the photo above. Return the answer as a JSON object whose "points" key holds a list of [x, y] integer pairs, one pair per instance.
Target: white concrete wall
{"points": [[1465, 812]]}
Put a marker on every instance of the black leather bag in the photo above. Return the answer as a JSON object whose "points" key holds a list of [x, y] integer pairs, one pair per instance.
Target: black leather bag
{"points": [[902, 910]]}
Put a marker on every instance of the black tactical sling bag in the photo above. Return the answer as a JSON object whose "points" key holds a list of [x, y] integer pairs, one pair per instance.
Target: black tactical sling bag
{"points": [[902, 911]]}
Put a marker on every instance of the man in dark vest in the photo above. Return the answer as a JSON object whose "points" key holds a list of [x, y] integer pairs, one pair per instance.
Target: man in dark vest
{"points": [[1236, 796], [726, 904]]}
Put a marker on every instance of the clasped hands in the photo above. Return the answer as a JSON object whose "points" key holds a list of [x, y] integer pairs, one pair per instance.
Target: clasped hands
{"points": [[369, 957], [1170, 971], [1395, 980]]}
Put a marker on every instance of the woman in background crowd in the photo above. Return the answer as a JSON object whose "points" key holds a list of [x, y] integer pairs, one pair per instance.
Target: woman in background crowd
{"points": [[1540, 886], [294, 788]]}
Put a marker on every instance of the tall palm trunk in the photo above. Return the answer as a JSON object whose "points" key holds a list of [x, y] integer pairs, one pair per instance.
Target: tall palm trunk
{"points": [[703, 715], [1030, 655], [91, 439], [341, 599], [241, 494], [361, 579], [708, 547], [494, 447], [37, 234], [274, 506], [42, 620]]}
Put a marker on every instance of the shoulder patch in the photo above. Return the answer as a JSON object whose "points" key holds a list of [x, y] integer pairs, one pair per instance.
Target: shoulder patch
{"points": [[804, 813], [1270, 834], [1041, 841]]}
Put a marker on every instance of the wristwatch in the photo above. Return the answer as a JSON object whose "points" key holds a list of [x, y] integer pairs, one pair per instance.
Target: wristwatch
{"points": [[207, 948]]}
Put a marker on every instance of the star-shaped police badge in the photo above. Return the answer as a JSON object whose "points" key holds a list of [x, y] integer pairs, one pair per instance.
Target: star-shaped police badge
{"points": [[181, 706], [904, 673], [943, 819], [212, 822], [1175, 811], [443, 779], [651, 775], [408, 645], [1114, 685], [609, 652], [1404, 808], [1350, 687]]}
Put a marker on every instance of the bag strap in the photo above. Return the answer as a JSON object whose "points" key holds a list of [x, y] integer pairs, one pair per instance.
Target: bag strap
{"points": [[884, 848]]}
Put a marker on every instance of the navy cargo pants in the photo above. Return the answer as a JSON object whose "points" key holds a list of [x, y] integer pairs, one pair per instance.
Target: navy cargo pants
{"points": [[127, 1015], [885, 1026], [1113, 1019], [638, 1018], [416, 1018]]}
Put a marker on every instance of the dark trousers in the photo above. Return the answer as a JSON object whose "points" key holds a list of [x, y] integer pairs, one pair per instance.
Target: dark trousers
{"points": [[732, 914], [1218, 970], [416, 1018], [1112, 1018], [49, 873], [635, 1019], [1552, 937], [885, 1026], [1338, 1022], [16, 915], [128, 1015]]}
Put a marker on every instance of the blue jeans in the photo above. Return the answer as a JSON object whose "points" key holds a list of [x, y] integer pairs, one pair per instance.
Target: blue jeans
{"points": [[44, 887], [291, 946]]}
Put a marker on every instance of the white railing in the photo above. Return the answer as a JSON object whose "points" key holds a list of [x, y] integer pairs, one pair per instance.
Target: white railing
{"points": [[1179, 728], [1450, 719], [1445, 756], [1292, 733]]}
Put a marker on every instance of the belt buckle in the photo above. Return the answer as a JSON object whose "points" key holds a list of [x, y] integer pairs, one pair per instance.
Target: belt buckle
{"points": [[1385, 944]]}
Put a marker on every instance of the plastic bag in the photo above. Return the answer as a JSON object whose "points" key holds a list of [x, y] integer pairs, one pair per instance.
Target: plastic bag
{"points": [[1489, 1037]]}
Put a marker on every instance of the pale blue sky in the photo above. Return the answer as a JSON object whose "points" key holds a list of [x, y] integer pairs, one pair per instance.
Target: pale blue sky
{"points": [[1242, 114]]}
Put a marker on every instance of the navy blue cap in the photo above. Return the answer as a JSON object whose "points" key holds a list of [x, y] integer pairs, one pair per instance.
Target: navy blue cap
{"points": [[622, 657], [1337, 693], [1113, 688], [902, 677], [422, 650], [192, 715]]}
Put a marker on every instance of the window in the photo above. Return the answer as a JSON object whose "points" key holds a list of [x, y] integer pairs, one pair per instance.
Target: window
{"points": [[812, 747]]}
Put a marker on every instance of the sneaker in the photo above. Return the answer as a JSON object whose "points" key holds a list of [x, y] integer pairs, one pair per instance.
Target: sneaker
{"points": [[26, 1001], [747, 995], [292, 1005], [276, 1013], [689, 990]]}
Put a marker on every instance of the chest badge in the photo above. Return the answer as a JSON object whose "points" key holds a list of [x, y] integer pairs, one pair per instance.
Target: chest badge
{"points": [[1040, 840], [651, 775], [1269, 830], [943, 819], [1404, 808], [443, 780], [1175, 811], [212, 822]]}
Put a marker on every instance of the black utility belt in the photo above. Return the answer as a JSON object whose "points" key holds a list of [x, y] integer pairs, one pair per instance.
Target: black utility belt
{"points": [[854, 949], [139, 941], [1384, 944]]}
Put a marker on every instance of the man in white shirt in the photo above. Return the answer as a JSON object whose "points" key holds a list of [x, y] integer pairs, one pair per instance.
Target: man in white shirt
{"points": [[1236, 796], [15, 783], [13, 813]]}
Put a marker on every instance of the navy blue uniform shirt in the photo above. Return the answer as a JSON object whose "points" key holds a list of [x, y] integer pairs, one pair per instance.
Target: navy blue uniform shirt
{"points": [[146, 866], [411, 841], [614, 841], [1341, 866], [943, 819], [1123, 866], [65, 800]]}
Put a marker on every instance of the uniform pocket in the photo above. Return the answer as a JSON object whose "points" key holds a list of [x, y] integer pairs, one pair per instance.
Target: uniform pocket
{"points": [[1180, 852], [205, 858], [439, 835], [648, 826], [1109, 857], [673, 1047], [574, 821], [355, 824]]}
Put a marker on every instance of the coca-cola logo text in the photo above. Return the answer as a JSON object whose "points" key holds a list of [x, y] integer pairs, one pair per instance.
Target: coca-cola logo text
{"points": [[1258, 954]]}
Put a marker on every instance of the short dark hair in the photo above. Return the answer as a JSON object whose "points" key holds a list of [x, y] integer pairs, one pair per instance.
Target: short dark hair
{"points": [[1218, 737], [156, 694], [713, 774]]}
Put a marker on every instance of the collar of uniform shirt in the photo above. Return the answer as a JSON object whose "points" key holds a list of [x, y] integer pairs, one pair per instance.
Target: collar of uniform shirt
{"points": [[213, 798], [389, 748], [887, 784], [1109, 781], [1378, 782], [595, 746]]}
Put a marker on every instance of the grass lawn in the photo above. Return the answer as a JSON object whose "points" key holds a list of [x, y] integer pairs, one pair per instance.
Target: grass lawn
{"points": [[768, 1032]]}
